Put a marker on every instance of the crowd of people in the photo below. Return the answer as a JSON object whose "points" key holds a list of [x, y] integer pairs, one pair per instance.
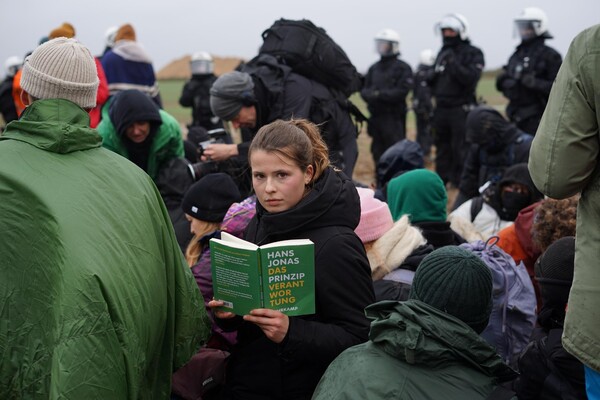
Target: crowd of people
{"points": [[493, 296]]}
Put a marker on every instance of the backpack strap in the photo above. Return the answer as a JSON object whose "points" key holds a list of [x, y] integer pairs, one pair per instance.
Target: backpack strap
{"points": [[476, 206], [501, 393]]}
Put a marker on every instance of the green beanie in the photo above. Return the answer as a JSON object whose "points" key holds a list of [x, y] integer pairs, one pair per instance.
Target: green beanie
{"points": [[420, 193], [456, 281]]}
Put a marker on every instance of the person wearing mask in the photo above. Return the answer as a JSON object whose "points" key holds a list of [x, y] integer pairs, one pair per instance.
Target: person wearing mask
{"points": [[196, 91], [499, 204], [496, 144], [97, 300], [457, 70], [300, 195], [527, 78], [386, 86]]}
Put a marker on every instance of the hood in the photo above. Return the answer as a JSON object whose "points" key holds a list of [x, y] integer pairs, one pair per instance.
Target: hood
{"points": [[131, 106], [420, 193], [523, 224], [333, 201], [131, 51], [403, 156], [488, 128], [417, 333], [55, 125], [519, 173]]}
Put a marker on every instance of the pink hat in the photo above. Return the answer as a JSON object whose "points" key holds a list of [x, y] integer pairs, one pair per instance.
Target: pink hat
{"points": [[375, 217]]}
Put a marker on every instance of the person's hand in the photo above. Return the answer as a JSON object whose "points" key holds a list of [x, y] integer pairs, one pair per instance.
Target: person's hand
{"points": [[273, 323], [219, 152], [214, 304], [508, 83], [528, 80]]}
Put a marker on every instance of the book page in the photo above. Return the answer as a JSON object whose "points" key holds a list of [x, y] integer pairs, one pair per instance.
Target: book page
{"points": [[288, 277]]}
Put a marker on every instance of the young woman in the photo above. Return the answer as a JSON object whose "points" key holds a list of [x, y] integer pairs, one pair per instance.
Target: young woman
{"points": [[300, 196]]}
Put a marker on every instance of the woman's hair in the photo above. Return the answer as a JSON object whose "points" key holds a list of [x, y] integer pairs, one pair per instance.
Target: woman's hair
{"points": [[195, 248], [297, 139], [553, 220]]}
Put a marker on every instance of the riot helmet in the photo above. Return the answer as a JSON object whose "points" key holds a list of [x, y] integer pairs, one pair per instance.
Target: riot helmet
{"points": [[427, 57], [12, 65], [532, 22], [201, 63], [456, 22], [387, 42]]}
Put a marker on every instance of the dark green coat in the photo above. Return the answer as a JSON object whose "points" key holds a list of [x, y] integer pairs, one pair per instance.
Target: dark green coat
{"points": [[96, 301], [415, 352]]}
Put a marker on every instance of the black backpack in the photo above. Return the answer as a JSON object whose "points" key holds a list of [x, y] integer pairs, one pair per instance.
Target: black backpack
{"points": [[309, 51]]}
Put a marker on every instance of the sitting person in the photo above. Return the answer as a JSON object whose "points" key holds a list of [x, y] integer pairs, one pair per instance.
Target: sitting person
{"points": [[496, 144], [299, 195], [421, 195], [500, 203], [405, 155], [548, 371], [394, 250], [138, 130], [429, 346]]}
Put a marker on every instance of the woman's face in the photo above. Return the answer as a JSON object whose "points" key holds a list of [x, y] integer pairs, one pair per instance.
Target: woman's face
{"points": [[278, 182]]}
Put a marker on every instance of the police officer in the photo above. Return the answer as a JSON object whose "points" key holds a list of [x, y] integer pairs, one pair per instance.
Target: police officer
{"points": [[387, 83], [196, 94], [457, 70], [527, 78], [421, 102]]}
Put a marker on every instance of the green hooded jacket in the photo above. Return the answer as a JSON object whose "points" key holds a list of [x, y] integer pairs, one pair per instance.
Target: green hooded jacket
{"points": [[414, 352], [96, 301], [564, 161], [166, 145]]}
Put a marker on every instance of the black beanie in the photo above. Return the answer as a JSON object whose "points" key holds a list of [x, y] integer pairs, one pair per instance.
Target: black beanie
{"points": [[554, 270], [210, 197], [456, 281]]}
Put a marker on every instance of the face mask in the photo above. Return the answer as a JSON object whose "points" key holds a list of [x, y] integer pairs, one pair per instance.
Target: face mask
{"points": [[512, 203], [451, 41]]}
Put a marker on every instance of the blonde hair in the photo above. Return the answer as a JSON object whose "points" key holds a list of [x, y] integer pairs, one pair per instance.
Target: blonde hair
{"points": [[296, 139], [195, 248]]}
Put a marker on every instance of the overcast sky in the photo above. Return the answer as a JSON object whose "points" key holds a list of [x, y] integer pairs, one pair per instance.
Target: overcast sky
{"points": [[172, 29]]}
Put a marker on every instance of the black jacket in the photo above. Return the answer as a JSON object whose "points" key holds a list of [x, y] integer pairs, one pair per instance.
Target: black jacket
{"points": [[532, 59], [7, 104], [387, 84], [196, 94], [261, 369], [422, 104], [457, 69], [548, 372]]}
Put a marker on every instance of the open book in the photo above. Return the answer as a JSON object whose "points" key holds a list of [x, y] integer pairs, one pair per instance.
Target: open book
{"points": [[278, 275]]}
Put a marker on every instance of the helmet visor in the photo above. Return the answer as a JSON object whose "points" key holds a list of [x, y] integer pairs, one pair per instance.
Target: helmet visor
{"points": [[527, 29]]}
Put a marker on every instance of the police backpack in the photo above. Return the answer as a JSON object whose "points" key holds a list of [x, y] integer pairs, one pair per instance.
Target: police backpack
{"points": [[309, 51]]}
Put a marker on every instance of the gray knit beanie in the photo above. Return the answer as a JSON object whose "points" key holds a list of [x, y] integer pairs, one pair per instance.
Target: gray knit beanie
{"points": [[229, 93], [61, 68], [456, 281]]}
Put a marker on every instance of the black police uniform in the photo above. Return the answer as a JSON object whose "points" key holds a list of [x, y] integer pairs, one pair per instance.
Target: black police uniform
{"points": [[196, 94], [526, 81], [423, 106], [458, 67], [387, 84]]}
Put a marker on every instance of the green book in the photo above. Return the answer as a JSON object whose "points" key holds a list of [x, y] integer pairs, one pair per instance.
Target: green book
{"points": [[278, 275]]}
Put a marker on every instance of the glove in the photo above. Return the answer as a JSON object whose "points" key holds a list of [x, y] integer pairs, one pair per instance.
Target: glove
{"points": [[528, 80], [508, 83]]}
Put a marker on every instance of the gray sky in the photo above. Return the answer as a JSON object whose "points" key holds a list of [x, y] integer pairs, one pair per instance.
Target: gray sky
{"points": [[170, 30]]}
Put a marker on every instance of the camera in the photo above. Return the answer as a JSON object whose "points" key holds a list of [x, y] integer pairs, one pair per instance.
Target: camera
{"points": [[203, 139], [218, 135]]}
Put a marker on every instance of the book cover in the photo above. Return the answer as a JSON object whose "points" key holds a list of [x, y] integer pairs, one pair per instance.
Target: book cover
{"points": [[279, 275]]}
